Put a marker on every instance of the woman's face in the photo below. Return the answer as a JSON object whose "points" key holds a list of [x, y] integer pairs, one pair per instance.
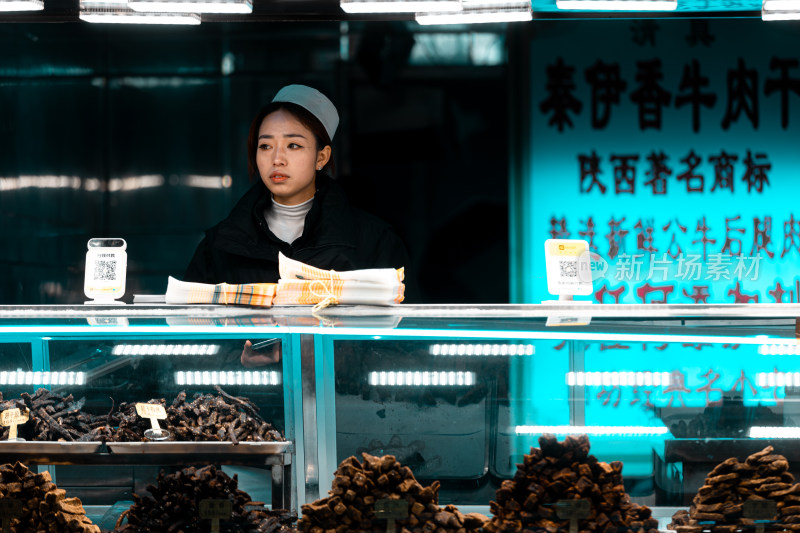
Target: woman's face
{"points": [[287, 158]]}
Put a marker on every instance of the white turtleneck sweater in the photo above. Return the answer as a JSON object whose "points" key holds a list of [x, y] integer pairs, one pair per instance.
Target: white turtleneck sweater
{"points": [[286, 221]]}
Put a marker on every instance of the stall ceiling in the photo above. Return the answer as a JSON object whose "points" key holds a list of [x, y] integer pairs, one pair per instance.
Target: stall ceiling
{"points": [[329, 10]]}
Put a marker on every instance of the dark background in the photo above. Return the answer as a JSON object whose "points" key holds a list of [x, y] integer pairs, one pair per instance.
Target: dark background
{"points": [[88, 113]]}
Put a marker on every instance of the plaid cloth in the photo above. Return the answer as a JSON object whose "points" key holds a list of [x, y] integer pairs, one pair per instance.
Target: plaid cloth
{"points": [[302, 284], [253, 294]]}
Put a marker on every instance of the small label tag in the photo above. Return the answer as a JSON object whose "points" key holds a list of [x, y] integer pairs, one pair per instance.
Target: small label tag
{"points": [[573, 509], [151, 410], [760, 509], [12, 418], [155, 412], [391, 509], [215, 510], [558, 320]]}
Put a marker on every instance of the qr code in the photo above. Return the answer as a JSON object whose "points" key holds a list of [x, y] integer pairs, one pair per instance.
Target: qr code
{"points": [[105, 270], [568, 269]]}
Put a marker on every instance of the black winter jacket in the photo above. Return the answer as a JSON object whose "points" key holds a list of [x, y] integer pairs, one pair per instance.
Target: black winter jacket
{"points": [[242, 249]]}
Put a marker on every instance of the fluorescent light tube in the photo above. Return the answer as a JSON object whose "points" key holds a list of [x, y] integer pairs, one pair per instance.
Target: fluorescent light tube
{"points": [[778, 379], [476, 16], [398, 6], [21, 5], [779, 349], [618, 379], [419, 378], [21, 377], [481, 350], [119, 16], [165, 349], [496, 4], [781, 5], [591, 430], [618, 5], [192, 6], [766, 432], [230, 377]]}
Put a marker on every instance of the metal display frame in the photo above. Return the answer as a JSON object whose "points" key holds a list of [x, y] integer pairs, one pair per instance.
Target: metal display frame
{"points": [[304, 472]]}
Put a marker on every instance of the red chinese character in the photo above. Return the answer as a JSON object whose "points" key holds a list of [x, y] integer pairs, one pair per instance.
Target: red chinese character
{"points": [[741, 382], [699, 294], [711, 377], [608, 394], [648, 405], [558, 228], [761, 237], [643, 290], [616, 294], [616, 346], [741, 298], [697, 346], [777, 293], [677, 386]]}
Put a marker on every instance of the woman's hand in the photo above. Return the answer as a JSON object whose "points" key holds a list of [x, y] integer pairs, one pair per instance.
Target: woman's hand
{"points": [[262, 354]]}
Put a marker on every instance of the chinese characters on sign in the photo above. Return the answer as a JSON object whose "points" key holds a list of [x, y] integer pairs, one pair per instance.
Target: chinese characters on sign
{"points": [[652, 96], [680, 387], [671, 150], [660, 254], [655, 171]]}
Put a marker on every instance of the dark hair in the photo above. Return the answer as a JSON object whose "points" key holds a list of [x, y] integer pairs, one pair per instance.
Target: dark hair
{"points": [[305, 117]]}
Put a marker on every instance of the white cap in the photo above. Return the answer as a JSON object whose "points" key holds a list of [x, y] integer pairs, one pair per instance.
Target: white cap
{"points": [[313, 101]]}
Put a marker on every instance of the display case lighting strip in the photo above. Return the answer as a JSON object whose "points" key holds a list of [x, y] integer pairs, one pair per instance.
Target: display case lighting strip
{"points": [[780, 5], [780, 10], [165, 349], [766, 432], [618, 379], [778, 379], [231, 377], [779, 349], [422, 379], [398, 6], [780, 15], [477, 16], [129, 16], [21, 377], [192, 6], [591, 430], [21, 5], [482, 349]]}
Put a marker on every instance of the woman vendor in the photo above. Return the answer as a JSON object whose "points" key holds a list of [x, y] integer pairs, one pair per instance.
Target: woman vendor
{"points": [[294, 206]]}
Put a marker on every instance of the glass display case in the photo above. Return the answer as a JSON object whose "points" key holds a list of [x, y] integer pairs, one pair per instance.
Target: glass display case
{"points": [[459, 394]]}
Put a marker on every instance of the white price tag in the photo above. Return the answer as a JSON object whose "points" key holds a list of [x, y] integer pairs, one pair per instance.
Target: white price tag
{"points": [[12, 418], [573, 510], [391, 510], [215, 510], [155, 412], [761, 511]]}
